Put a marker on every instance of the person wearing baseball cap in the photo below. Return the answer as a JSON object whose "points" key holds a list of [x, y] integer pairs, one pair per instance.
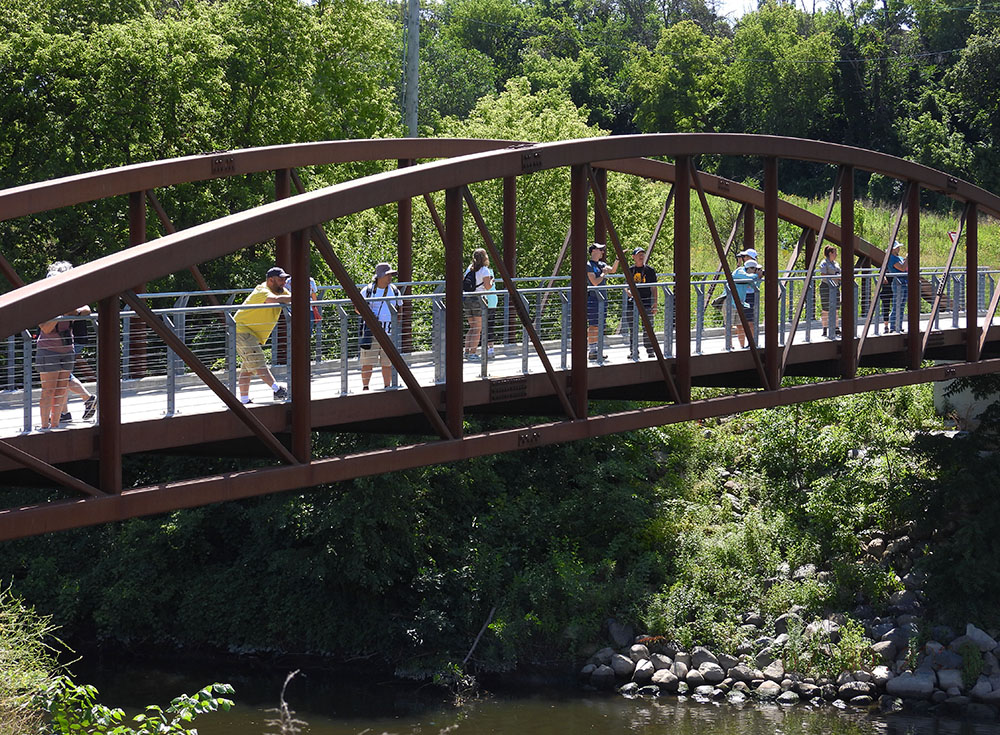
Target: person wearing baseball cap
{"points": [[597, 272], [641, 274], [746, 278], [383, 298], [254, 327]]}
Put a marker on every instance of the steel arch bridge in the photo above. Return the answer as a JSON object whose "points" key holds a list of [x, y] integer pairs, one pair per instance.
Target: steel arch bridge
{"points": [[549, 375]]}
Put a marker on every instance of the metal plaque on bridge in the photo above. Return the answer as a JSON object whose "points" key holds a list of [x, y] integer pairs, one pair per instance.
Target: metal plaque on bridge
{"points": [[508, 389]]}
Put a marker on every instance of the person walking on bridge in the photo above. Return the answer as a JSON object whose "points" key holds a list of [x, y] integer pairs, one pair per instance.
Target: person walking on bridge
{"points": [[642, 274], [254, 326], [597, 273], [372, 354]]}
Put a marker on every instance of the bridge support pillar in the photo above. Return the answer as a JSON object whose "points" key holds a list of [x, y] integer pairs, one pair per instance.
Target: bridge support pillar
{"points": [[578, 258], [138, 333], [682, 271], [404, 255], [510, 239], [600, 229], [972, 285], [454, 342], [301, 362], [914, 340], [109, 391], [282, 257], [772, 354], [848, 345]]}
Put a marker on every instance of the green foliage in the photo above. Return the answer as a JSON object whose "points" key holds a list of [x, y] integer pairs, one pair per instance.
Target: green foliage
{"points": [[26, 664], [73, 710], [972, 663]]}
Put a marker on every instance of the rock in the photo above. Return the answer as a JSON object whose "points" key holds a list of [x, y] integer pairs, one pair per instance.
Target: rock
{"points": [[682, 688], [754, 618], [784, 569], [992, 698], [679, 669], [807, 691], [881, 676], [931, 647], [586, 672], [768, 690], [861, 675], [826, 628], [917, 685], [742, 686], [944, 659], [700, 654], [781, 640], [623, 666], [898, 546], [650, 690], [913, 580], [726, 661], [694, 678], [620, 633], [764, 658], [745, 648], [888, 705], [806, 571], [990, 664], [862, 700], [828, 692], [736, 697], [628, 690], [953, 691], [603, 656], [787, 684], [660, 661], [665, 680], [741, 672], [684, 658], [949, 678], [704, 690], [824, 577], [980, 638], [774, 671], [844, 677], [603, 678], [937, 696], [788, 697], [879, 629], [852, 689], [885, 651], [781, 623], [638, 652], [955, 703], [876, 548], [643, 672], [943, 633], [712, 672], [903, 600]]}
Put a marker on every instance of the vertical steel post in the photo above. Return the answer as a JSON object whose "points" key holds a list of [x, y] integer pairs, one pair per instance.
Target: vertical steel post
{"points": [[283, 257], [849, 347], [404, 255], [109, 389], [682, 275], [600, 230], [913, 277], [749, 222], [137, 236], [509, 247], [578, 287], [772, 352], [300, 381], [454, 343], [972, 285]]}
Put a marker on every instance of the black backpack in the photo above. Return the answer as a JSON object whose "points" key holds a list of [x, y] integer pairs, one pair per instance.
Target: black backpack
{"points": [[469, 282]]}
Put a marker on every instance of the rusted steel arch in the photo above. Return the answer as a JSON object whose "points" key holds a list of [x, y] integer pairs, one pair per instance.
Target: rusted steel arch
{"points": [[146, 262], [70, 190]]}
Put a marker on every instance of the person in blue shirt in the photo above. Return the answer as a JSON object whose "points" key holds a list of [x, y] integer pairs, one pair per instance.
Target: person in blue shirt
{"points": [[746, 277], [895, 273], [597, 272]]}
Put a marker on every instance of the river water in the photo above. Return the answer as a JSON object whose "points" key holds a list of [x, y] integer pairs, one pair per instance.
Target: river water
{"points": [[333, 705]]}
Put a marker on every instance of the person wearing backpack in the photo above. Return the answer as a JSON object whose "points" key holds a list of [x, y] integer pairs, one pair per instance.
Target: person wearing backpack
{"points": [[478, 279], [372, 353]]}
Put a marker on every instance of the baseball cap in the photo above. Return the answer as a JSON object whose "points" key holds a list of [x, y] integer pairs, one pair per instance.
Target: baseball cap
{"points": [[751, 264], [896, 245], [598, 245], [639, 250], [384, 269], [277, 272], [749, 253]]}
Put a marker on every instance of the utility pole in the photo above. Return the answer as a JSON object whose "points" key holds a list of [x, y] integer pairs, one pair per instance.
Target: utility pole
{"points": [[412, 67]]}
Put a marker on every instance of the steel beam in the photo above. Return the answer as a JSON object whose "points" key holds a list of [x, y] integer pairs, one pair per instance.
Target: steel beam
{"points": [[971, 285], [301, 380], [136, 236], [578, 288], [682, 277], [939, 296], [659, 223], [454, 342], [283, 242], [599, 183], [432, 209], [914, 343], [404, 262], [48, 471], [848, 345], [772, 352], [510, 237], [109, 392]]}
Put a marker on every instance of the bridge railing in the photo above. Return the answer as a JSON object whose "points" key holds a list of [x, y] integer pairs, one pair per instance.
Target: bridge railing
{"points": [[156, 383]]}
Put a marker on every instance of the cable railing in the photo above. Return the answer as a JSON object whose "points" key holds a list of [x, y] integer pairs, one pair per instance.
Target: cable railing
{"points": [[157, 383]]}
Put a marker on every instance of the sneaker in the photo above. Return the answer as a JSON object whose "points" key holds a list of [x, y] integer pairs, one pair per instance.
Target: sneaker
{"points": [[592, 355], [474, 357], [281, 394], [89, 408], [66, 418], [650, 353], [490, 352], [364, 387]]}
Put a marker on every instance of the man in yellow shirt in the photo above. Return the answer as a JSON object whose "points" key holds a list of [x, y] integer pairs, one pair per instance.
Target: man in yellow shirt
{"points": [[254, 326]]}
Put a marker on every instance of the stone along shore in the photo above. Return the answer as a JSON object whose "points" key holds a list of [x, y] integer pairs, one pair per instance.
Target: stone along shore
{"points": [[957, 675]]}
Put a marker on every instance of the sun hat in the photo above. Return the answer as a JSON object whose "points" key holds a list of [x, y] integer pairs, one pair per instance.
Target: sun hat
{"points": [[384, 269]]}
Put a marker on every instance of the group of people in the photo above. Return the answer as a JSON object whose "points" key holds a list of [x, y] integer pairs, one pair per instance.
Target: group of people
{"points": [[57, 352]]}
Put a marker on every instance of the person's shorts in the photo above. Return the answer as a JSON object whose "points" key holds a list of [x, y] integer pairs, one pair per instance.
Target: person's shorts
{"points": [[593, 311], [47, 361], [375, 355], [250, 352], [472, 306], [824, 296]]}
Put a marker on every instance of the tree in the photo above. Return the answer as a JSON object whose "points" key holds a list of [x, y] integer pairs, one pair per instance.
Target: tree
{"points": [[678, 87]]}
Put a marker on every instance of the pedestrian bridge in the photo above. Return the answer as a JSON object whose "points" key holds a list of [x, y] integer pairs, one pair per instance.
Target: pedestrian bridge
{"points": [[164, 364]]}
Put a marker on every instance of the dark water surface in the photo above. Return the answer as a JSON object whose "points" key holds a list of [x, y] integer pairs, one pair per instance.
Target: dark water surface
{"points": [[335, 705]]}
